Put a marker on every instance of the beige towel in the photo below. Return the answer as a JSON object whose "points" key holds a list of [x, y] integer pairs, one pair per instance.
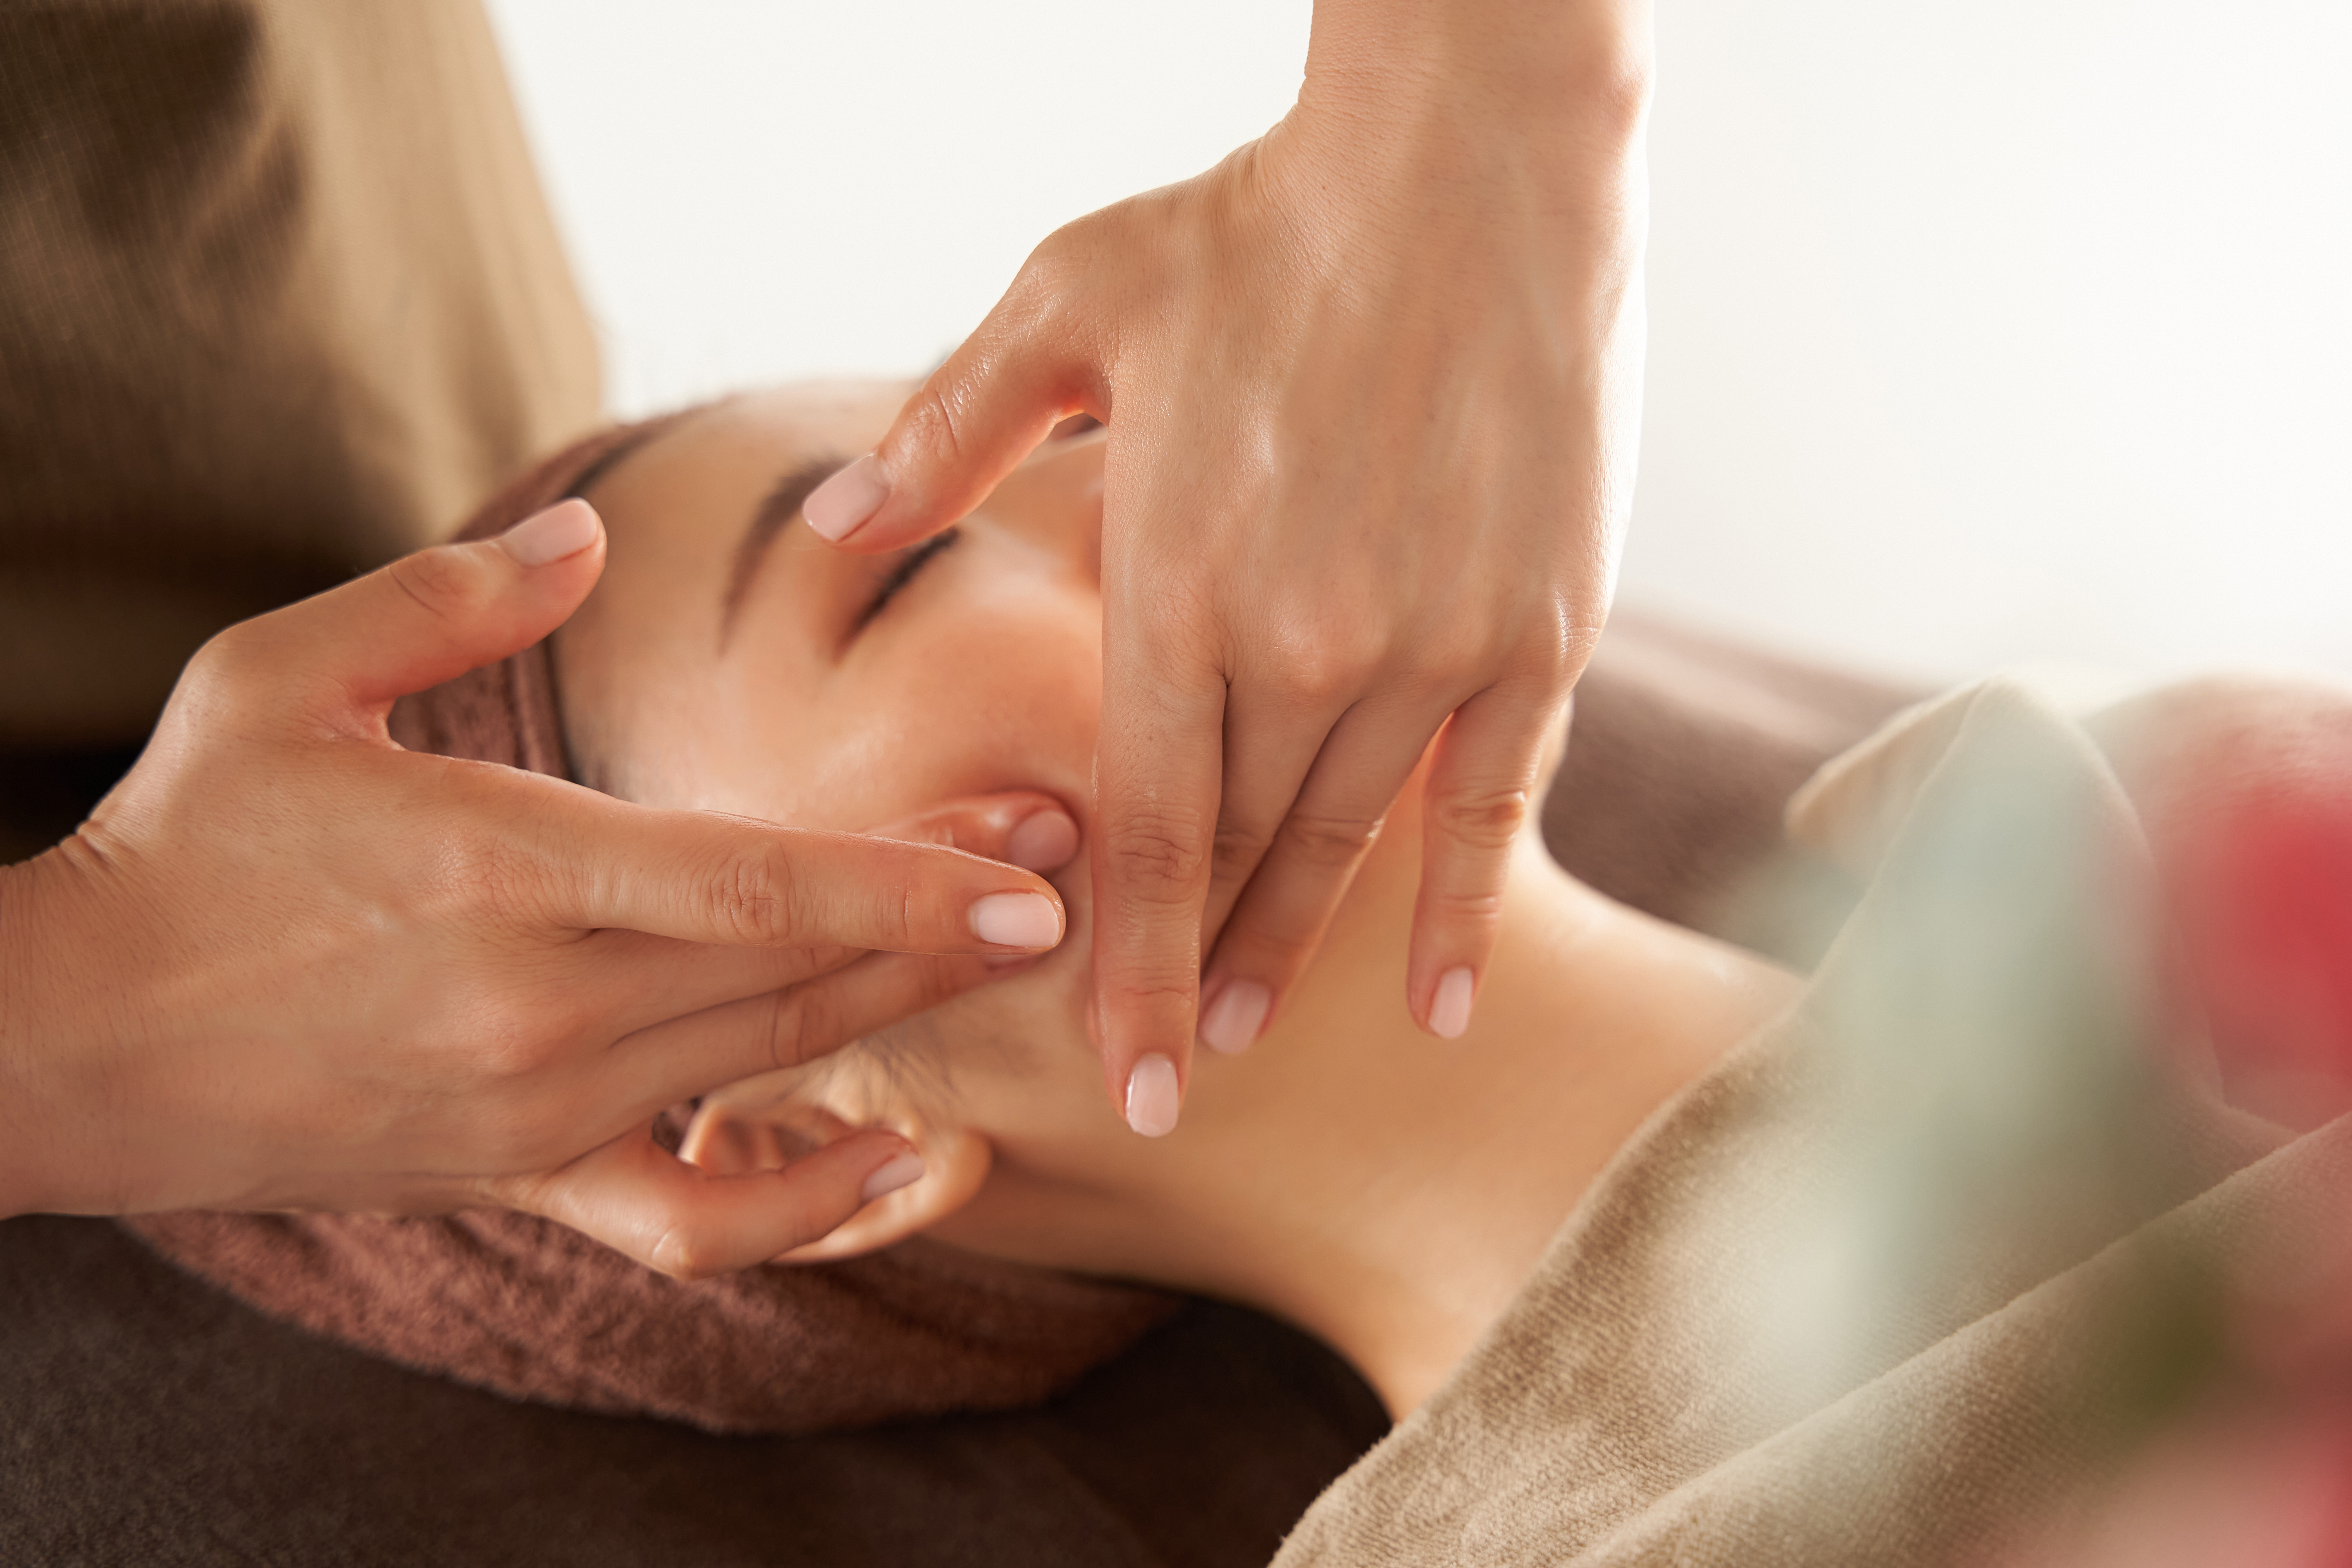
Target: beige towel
{"points": [[1910, 1265]]}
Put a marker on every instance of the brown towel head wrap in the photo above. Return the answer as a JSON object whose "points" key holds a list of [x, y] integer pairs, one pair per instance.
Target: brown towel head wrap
{"points": [[531, 1310]]}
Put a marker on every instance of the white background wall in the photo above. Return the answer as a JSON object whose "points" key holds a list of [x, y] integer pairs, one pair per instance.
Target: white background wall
{"points": [[1979, 331]]}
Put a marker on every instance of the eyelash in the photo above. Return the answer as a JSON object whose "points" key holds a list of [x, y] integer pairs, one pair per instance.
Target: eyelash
{"points": [[913, 560]]}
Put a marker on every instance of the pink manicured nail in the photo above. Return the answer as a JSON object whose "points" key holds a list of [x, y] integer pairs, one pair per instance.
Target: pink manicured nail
{"points": [[902, 1172], [1151, 1096], [1016, 920], [567, 528], [1046, 842], [1233, 1021], [1449, 1010], [841, 506]]}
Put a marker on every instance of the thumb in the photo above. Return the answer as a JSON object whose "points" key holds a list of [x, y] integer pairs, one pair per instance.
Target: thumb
{"points": [[972, 423], [639, 1199], [432, 615]]}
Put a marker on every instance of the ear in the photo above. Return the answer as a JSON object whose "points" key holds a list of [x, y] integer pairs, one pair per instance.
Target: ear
{"points": [[766, 1123]]}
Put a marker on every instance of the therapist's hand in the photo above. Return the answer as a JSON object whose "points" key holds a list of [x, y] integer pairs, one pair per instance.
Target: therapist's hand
{"points": [[1373, 386], [287, 965]]}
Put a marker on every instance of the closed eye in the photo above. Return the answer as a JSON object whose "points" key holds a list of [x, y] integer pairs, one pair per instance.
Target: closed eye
{"points": [[913, 560]]}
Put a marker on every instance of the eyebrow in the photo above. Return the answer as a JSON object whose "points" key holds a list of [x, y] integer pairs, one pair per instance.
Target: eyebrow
{"points": [[778, 507]]}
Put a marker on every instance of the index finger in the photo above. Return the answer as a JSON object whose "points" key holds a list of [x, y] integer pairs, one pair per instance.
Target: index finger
{"points": [[701, 876], [1159, 767]]}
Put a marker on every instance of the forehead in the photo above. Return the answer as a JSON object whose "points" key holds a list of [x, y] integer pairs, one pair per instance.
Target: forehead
{"points": [[695, 482], [639, 651]]}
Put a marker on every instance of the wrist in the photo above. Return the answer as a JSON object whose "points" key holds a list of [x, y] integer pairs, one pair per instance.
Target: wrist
{"points": [[36, 1038], [1568, 77]]}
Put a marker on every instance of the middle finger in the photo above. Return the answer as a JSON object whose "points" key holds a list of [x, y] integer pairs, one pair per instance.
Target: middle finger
{"points": [[686, 1056]]}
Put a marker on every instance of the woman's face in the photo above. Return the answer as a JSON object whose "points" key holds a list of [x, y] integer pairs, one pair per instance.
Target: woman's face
{"points": [[730, 660]]}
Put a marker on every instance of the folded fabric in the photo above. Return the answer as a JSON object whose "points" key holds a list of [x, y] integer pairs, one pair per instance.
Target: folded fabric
{"points": [[1913, 1266]]}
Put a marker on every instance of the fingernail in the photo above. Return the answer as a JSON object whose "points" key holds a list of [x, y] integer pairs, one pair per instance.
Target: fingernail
{"points": [[1016, 920], [564, 528], [1449, 1010], [902, 1171], [841, 506], [1044, 843], [1151, 1096], [1233, 1021]]}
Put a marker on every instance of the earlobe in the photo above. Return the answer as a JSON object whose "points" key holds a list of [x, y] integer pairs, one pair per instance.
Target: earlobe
{"points": [[765, 1122]]}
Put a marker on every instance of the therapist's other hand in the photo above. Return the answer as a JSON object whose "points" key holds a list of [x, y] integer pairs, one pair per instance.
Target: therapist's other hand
{"points": [[287, 965], [1373, 386]]}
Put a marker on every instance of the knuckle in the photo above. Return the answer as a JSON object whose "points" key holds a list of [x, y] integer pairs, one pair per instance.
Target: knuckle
{"points": [[513, 1042], [1459, 919], [1328, 843], [1160, 854], [1464, 906], [478, 875], [1321, 674], [896, 919], [800, 1025], [1159, 994], [1059, 266], [933, 428], [1481, 819], [1270, 946], [222, 657], [447, 581], [680, 1250], [1237, 850], [1556, 651], [751, 897], [229, 677]]}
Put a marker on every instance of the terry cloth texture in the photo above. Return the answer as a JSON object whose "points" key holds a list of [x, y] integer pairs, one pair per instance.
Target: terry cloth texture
{"points": [[1897, 1275], [280, 301], [530, 1309]]}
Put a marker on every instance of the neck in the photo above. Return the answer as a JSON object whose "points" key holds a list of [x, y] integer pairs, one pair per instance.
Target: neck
{"points": [[1389, 1192]]}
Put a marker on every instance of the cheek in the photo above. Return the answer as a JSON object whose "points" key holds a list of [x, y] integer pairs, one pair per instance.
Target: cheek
{"points": [[995, 685], [1002, 694]]}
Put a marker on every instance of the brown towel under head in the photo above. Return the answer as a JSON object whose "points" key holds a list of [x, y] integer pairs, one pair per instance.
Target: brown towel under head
{"points": [[530, 1309]]}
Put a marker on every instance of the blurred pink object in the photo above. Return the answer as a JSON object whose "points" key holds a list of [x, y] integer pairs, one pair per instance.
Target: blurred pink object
{"points": [[2269, 924], [2262, 1488]]}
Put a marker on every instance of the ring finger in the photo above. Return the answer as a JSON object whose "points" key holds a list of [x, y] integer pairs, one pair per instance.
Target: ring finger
{"points": [[1282, 914]]}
